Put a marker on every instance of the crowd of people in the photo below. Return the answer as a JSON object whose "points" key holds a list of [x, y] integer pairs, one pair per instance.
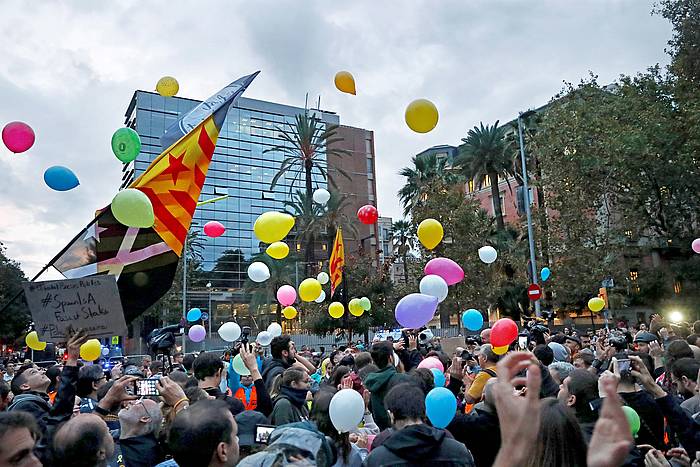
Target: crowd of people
{"points": [[609, 397]]}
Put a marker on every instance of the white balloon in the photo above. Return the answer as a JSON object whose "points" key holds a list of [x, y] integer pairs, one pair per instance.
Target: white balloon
{"points": [[323, 278], [105, 351], [230, 331], [321, 196], [346, 410], [396, 359], [321, 297], [258, 272], [264, 338], [488, 254], [274, 329], [435, 286]]}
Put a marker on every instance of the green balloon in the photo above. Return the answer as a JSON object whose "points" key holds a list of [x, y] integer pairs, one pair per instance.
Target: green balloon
{"points": [[132, 208], [126, 144], [632, 419], [365, 303]]}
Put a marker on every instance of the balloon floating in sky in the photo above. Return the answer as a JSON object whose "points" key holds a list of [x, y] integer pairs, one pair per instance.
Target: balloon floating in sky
{"points": [[126, 144], [91, 350], [309, 290], [596, 304], [488, 254], [345, 82], [368, 214], [434, 286], [545, 273], [132, 208], [450, 271], [365, 304], [355, 307], [60, 178], [264, 338], [336, 310], [239, 367], [421, 116], [289, 312], [503, 332], [415, 310], [258, 272], [321, 298], [195, 314], [18, 137], [273, 226], [286, 295], [197, 333], [472, 319], [214, 229], [167, 86], [430, 233], [323, 278], [440, 407], [696, 245], [33, 342], [230, 331], [277, 250], [275, 329], [321, 196]]}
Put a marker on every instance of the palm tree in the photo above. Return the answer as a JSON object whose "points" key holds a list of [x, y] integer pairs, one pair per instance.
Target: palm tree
{"points": [[334, 216], [485, 153], [263, 294], [304, 145], [426, 171], [307, 224], [403, 239]]}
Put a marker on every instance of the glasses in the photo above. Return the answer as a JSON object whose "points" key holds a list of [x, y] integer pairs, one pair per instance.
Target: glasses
{"points": [[140, 401]]}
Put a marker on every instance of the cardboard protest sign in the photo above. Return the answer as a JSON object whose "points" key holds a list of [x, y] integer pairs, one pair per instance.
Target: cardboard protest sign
{"points": [[91, 303]]}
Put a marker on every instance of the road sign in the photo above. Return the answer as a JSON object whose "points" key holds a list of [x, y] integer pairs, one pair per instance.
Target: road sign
{"points": [[534, 292], [115, 340], [205, 316]]}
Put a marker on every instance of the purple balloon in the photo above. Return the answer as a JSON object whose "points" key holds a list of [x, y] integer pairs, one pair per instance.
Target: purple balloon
{"points": [[197, 333], [445, 268], [415, 310]]}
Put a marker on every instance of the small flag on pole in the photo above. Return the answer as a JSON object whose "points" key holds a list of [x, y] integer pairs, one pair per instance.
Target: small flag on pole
{"points": [[337, 263]]}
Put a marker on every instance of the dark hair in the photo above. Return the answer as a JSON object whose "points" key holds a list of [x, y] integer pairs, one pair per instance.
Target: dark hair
{"points": [[53, 373], [362, 359], [382, 353], [156, 366], [544, 354], [104, 389], [367, 370], [195, 393], [18, 380], [558, 338], [339, 372], [4, 390], [348, 361], [405, 401], [424, 379], [196, 432], [291, 375], [696, 327], [586, 357], [584, 385], [179, 377], [86, 376], [207, 364], [279, 344], [693, 339], [687, 367], [646, 359], [320, 414], [187, 361], [675, 351], [560, 440], [15, 420], [81, 445]]}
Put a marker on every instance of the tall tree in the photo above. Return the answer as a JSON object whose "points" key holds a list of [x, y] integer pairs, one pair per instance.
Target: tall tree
{"points": [[486, 154], [16, 317], [404, 240], [306, 146], [427, 169]]}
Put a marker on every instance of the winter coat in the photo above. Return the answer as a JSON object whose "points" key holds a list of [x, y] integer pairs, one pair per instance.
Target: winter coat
{"points": [[272, 368], [480, 433], [290, 407], [141, 451], [379, 384]]}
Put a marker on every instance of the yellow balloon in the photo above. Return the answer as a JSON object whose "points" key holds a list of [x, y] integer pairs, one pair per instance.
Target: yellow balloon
{"points": [[500, 350], [421, 115], [596, 304], [430, 233], [289, 312], [167, 86], [355, 307], [309, 289], [273, 226], [91, 350], [278, 250], [33, 341], [336, 310], [345, 82]]}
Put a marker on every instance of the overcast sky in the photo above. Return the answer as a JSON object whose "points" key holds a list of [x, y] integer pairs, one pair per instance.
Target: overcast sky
{"points": [[69, 69]]}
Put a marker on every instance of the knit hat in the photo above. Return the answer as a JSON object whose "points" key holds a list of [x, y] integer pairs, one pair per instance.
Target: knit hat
{"points": [[561, 353]]}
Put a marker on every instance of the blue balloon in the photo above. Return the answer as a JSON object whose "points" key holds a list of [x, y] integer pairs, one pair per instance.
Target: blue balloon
{"points": [[472, 319], [440, 406], [545, 273], [60, 178], [438, 378], [195, 314]]}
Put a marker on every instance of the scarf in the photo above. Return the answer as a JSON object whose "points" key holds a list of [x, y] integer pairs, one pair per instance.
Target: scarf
{"points": [[296, 396]]}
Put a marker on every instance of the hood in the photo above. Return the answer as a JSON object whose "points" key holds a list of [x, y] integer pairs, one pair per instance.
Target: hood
{"points": [[376, 381], [272, 363], [415, 442]]}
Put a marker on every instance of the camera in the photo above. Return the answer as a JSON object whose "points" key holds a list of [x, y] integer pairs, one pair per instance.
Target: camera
{"points": [[162, 340], [425, 337], [536, 332], [467, 355], [245, 332], [618, 340]]}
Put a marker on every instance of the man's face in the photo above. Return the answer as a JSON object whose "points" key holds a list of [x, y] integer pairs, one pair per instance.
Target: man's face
{"points": [[11, 369], [578, 363], [684, 386], [585, 341], [642, 327], [36, 379], [146, 361], [292, 350], [17, 449], [481, 358], [573, 347], [486, 336], [567, 331], [178, 358], [564, 396], [246, 380], [137, 411], [643, 347]]}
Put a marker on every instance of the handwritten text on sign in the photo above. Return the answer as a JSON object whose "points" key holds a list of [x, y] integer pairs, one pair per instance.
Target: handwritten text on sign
{"points": [[91, 303]]}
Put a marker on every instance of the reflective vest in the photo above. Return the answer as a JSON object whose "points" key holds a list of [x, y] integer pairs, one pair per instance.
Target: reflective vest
{"points": [[240, 395]]}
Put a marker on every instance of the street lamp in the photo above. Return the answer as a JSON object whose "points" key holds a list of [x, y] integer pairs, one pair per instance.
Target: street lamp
{"points": [[211, 315]]}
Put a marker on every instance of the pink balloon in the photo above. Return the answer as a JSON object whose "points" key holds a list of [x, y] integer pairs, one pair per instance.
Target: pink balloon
{"points": [[696, 245], [286, 295], [197, 333], [431, 362], [214, 229], [445, 268], [18, 136]]}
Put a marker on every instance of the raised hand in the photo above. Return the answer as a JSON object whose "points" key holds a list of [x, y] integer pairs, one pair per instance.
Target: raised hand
{"points": [[612, 437], [118, 393], [170, 391], [73, 346]]}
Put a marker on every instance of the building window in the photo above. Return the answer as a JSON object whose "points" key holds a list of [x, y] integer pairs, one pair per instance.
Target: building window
{"points": [[487, 182], [470, 186], [368, 146], [369, 167], [677, 286], [634, 279]]}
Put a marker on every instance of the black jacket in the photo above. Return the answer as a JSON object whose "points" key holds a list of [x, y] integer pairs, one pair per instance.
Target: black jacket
{"points": [[379, 384], [290, 407], [271, 368], [234, 405], [480, 433], [419, 445], [141, 451], [651, 430]]}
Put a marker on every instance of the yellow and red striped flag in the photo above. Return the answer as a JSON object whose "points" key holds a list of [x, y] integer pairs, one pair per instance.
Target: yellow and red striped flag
{"points": [[337, 262]]}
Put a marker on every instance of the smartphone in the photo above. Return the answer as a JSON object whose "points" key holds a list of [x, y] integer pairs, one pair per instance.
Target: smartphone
{"points": [[623, 367], [245, 332], [522, 342], [146, 387], [262, 433]]}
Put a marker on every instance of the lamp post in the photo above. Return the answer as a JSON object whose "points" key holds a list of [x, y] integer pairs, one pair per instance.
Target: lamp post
{"points": [[211, 315], [526, 197]]}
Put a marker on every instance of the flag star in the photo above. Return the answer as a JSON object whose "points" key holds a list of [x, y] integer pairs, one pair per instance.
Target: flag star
{"points": [[94, 232], [175, 166]]}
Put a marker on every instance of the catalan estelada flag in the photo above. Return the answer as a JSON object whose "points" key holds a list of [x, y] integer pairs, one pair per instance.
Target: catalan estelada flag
{"points": [[144, 260], [337, 262]]}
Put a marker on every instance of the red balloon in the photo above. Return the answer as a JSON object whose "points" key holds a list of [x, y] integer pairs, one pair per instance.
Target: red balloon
{"points": [[18, 136], [368, 214], [503, 332], [214, 229]]}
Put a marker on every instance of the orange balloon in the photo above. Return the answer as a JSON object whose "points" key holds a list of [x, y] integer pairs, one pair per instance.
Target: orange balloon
{"points": [[345, 82], [500, 350]]}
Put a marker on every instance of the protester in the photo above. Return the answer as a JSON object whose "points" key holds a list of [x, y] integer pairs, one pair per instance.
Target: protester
{"points": [[83, 441], [19, 433], [487, 359], [560, 370], [208, 369], [284, 355], [348, 455], [380, 382], [247, 423], [90, 379], [5, 396], [290, 405], [140, 423], [560, 441]]}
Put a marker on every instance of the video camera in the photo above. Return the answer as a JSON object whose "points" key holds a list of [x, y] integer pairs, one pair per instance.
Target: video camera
{"points": [[162, 340], [535, 332]]}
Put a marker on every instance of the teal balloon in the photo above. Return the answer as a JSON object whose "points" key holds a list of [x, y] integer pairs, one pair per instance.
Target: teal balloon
{"points": [[126, 144], [545, 273], [60, 178], [365, 304], [438, 378], [195, 314], [440, 406], [472, 319]]}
